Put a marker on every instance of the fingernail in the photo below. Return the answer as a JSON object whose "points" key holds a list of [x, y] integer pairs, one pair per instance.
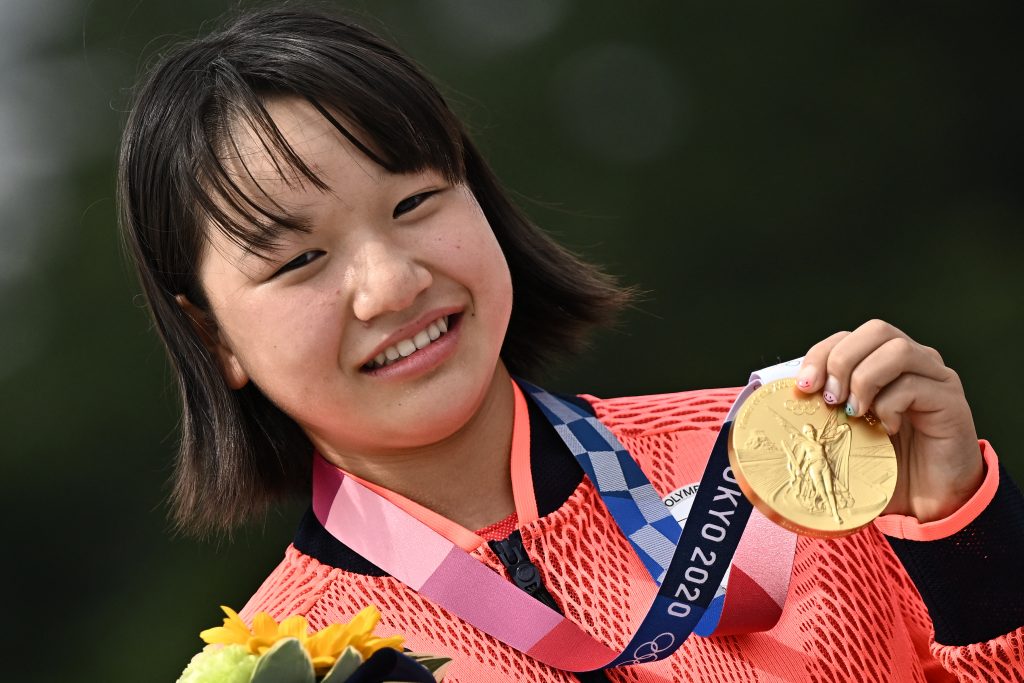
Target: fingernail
{"points": [[831, 394], [805, 379], [851, 405]]}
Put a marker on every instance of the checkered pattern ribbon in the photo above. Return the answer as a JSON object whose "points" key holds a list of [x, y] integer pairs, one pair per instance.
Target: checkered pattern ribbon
{"points": [[634, 504]]}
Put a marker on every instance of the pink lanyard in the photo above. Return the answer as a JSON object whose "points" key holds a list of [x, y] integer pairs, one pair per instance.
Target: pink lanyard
{"points": [[438, 569]]}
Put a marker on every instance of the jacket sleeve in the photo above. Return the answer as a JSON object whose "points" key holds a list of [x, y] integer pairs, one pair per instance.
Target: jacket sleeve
{"points": [[968, 569]]}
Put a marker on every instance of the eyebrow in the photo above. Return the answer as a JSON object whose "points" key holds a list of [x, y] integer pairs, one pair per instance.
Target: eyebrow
{"points": [[266, 241]]}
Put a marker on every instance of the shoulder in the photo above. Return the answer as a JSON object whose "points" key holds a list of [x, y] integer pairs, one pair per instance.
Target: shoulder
{"points": [[698, 409], [293, 587]]}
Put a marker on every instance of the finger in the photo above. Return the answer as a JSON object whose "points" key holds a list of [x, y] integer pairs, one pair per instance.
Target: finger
{"points": [[811, 376], [917, 393], [884, 365], [850, 352]]}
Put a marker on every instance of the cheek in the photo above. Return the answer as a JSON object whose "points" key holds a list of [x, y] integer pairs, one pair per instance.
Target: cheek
{"points": [[486, 262], [280, 336], [503, 288]]}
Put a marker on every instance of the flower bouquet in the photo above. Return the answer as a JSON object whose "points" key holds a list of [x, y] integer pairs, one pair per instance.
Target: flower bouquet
{"points": [[287, 652]]}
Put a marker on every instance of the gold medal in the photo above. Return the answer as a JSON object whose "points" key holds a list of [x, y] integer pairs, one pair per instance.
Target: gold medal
{"points": [[806, 465]]}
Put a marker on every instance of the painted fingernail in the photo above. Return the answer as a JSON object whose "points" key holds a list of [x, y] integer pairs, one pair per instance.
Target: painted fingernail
{"points": [[831, 394], [851, 405], [805, 379]]}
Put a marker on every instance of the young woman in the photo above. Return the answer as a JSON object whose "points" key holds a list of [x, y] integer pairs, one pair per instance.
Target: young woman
{"points": [[346, 295]]}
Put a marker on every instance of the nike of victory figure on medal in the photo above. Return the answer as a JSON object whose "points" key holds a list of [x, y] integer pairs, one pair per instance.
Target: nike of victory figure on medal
{"points": [[807, 466]]}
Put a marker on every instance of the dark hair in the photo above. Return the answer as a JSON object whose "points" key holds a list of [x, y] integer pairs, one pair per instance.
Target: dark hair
{"points": [[238, 451]]}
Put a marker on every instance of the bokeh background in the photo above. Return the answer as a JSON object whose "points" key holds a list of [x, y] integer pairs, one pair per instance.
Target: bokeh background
{"points": [[768, 173]]}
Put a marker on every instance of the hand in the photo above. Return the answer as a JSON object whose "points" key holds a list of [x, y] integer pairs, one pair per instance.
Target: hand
{"points": [[921, 404]]}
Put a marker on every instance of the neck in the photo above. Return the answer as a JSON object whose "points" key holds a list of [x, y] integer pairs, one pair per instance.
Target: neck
{"points": [[465, 477]]}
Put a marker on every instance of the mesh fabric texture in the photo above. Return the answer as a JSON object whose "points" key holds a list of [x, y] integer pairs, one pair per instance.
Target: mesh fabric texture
{"points": [[500, 529], [852, 613], [989, 551]]}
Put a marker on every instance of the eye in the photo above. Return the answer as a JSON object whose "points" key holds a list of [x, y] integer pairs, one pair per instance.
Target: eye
{"points": [[410, 203], [299, 261]]}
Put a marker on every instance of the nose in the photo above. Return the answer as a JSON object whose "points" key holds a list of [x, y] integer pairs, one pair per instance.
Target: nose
{"points": [[386, 279]]}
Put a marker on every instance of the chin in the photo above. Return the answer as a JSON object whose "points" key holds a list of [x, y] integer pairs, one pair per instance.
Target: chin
{"points": [[444, 410], [443, 416]]}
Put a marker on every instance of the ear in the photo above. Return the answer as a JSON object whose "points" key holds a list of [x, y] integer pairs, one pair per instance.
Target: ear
{"points": [[204, 325]]}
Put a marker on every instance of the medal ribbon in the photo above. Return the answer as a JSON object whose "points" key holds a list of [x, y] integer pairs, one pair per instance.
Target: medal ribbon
{"points": [[688, 567]]}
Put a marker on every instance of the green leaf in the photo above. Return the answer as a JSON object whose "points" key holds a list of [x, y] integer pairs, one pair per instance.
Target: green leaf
{"points": [[435, 664], [440, 670], [285, 662], [431, 662], [346, 665]]}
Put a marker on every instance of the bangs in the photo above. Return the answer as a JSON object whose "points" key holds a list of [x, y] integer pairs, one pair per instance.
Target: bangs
{"points": [[178, 178], [382, 107]]}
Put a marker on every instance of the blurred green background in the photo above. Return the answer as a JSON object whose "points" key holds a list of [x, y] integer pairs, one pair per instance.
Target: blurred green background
{"points": [[768, 172]]}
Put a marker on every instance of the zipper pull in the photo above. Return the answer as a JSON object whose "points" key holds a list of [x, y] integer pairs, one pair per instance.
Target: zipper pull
{"points": [[523, 572], [526, 576]]}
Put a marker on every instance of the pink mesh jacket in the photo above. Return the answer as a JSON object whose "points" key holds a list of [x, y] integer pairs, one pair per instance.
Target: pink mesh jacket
{"points": [[852, 614]]}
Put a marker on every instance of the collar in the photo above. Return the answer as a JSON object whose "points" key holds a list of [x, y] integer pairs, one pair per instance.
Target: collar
{"points": [[550, 473]]}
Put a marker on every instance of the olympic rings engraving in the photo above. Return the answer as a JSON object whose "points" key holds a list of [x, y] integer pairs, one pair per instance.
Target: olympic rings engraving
{"points": [[649, 651], [802, 406]]}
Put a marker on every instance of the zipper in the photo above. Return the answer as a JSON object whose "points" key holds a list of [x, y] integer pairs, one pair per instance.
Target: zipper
{"points": [[521, 570], [526, 576]]}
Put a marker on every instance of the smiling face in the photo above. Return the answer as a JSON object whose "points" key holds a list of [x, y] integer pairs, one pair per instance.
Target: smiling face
{"points": [[389, 260]]}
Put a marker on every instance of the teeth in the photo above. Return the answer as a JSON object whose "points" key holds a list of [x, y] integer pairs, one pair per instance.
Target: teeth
{"points": [[407, 347]]}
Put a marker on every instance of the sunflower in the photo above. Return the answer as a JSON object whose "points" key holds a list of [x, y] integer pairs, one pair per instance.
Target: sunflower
{"points": [[324, 646]]}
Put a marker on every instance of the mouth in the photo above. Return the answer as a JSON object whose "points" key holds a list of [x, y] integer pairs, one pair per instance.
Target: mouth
{"points": [[399, 351]]}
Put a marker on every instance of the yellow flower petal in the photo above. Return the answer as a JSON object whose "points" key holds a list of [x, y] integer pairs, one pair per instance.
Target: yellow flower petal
{"points": [[235, 622], [264, 626], [233, 617], [372, 644], [258, 645], [326, 641], [234, 629], [293, 627], [223, 636], [366, 620]]}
